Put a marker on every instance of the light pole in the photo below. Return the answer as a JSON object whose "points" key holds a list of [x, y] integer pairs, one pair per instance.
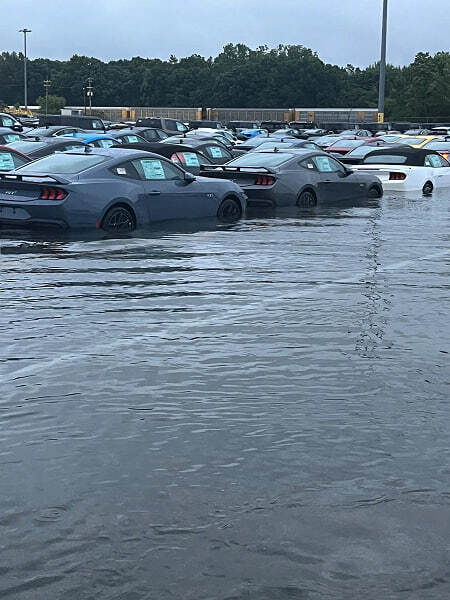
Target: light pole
{"points": [[47, 84], [25, 92], [90, 93], [382, 84]]}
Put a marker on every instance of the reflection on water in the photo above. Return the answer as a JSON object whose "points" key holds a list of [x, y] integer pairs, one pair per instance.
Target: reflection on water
{"points": [[253, 411]]}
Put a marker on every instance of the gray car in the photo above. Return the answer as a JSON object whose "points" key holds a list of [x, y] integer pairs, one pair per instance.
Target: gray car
{"points": [[116, 190], [295, 177]]}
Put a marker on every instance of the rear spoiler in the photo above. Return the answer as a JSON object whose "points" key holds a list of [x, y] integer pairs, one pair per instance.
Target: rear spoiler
{"points": [[230, 169], [18, 177]]}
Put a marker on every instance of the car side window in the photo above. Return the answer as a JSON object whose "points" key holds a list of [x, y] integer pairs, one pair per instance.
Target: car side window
{"points": [[126, 170], [7, 121], [326, 164], [150, 135], [102, 143], [71, 147], [171, 126], [153, 169], [310, 145], [9, 161], [433, 160], [308, 164]]}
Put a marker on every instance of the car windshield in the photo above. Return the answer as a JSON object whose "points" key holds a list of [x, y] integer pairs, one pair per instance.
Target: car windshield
{"points": [[62, 163], [412, 141], [258, 159], [386, 159], [27, 147], [389, 138]]}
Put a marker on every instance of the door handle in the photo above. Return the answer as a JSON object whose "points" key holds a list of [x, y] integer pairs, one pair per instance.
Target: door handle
{"points": [[154, 193]]}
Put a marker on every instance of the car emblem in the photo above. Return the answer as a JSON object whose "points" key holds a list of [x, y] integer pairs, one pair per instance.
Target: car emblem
{"points": [[10, 192]]}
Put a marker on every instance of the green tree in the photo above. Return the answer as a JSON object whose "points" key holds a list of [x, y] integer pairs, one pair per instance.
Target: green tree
{"points": [[54, 105]]}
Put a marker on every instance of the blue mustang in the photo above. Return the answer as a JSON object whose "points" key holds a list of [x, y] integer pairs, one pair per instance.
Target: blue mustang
{"points": [[98, 140]]}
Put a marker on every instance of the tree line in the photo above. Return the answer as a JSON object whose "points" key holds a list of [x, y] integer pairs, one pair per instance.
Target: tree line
{"points": [[287, 76]]}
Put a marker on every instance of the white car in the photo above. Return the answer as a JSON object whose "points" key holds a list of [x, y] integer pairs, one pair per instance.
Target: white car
{"points": [[404, 169], [440, 131]]}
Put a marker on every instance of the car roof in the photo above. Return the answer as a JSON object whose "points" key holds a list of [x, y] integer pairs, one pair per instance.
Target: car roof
{"points": [[414, 156], [117, 152]]}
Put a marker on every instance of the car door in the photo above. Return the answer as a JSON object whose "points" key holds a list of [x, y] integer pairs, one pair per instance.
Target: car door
{"points": [[168, 194], [336, 182], [440, 170]]}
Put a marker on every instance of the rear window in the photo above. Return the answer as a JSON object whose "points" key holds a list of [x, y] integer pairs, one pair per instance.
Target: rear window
{"points": [[63, 163], [9, 161], [272, 145], [360, 151], [258, 159], [386, 159]]}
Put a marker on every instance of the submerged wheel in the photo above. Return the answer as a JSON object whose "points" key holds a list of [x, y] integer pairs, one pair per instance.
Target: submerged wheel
{"points": [[427, 188], [374, 192], [119, 219], [307, 199], [230, 209]]}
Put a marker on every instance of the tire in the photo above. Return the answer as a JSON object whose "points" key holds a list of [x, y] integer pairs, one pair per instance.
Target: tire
{"points": [[230, 209], [427, 188], [307, 199], [374, 192], [119, 219]]}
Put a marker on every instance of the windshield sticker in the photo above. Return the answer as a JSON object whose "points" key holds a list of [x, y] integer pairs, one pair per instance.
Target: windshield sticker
{"points": [[11, 137], [121, 171], [132, 139], [153, 169], [191, 159], [215, 152], [6, 162]]}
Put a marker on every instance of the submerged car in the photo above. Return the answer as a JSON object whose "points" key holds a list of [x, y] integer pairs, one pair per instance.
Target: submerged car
{"points": [[116, 190], [416, 142], [402, 168], [168, 126], [284, 143], [217, 153], [443, 147], [246, 134], [296, 177], [357, 155]]}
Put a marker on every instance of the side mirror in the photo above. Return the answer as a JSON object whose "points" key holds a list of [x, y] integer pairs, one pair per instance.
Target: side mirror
{"points": [[17, 127], [189, 178]]}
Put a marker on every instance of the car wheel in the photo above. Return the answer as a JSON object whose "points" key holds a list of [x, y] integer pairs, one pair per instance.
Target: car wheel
{"points": [[230, 209], [119, 219], [374, 192], [307, 199], [427, 188]]}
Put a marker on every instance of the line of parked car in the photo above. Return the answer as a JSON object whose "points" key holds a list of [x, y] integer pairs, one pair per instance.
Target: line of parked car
{"points": [[75, 172]]}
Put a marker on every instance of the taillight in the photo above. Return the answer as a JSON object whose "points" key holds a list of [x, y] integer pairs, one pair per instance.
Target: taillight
{"points": [[52, 193], [177, 158], [397, 176], [264, 180]]}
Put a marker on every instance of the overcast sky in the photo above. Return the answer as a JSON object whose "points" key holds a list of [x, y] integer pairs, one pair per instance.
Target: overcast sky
{"points": [[340, 31]]}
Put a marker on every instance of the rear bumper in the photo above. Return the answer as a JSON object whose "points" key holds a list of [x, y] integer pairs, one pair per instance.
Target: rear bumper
{"points": [[30, 216]]}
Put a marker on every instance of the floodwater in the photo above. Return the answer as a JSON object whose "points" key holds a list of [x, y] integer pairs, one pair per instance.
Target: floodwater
{"points": [[248, 412]]}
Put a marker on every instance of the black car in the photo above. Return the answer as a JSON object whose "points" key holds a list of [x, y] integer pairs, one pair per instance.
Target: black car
{"points": [[150, 134], [8, 135], [40, 147], [284, 143], [358, 154], [295, 177], [54, 131], [80, 121], [187, 157], [169, 126], [126, 136], [217, 153]]}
